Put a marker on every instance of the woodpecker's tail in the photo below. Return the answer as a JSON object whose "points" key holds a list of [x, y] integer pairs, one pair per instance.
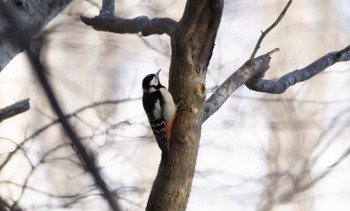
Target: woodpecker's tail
{"points": [[159, 130], [165, 155]]}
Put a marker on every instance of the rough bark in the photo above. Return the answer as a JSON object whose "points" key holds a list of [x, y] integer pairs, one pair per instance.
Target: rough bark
{"points": [[192, 46], [33, 16]]}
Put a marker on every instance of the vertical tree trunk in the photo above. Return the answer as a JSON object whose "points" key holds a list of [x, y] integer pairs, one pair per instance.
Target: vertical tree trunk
{"points": [[192, 46]]}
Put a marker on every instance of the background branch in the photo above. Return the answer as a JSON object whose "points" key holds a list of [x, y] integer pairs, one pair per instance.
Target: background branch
{"points": [[33, 15], [14, 109], [56, 121], [87, 159]]}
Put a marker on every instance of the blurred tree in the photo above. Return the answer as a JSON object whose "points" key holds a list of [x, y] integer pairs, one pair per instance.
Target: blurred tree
{"points": [[33, 16], [192, 42]]}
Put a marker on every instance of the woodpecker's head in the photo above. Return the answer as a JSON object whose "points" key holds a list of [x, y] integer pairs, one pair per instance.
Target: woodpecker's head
{"points": [[151, 82]]}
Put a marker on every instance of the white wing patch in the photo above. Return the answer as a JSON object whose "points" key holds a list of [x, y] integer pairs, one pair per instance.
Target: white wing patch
{"points": [[157, 110], [169, 107]]}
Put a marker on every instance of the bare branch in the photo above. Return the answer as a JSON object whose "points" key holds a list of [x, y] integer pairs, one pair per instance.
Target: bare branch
{"points": [[253, 68], [139, 24], [14, 109], [106, 21], [264, 33], [239, 77], [87, 158], [282, 84]]}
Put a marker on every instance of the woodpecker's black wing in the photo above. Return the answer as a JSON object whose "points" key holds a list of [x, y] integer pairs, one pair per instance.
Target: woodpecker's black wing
{"points": [[153, 103]]}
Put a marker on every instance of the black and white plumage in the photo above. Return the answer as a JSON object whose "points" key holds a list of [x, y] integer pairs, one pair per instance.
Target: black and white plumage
{"points": [[160, 108]]}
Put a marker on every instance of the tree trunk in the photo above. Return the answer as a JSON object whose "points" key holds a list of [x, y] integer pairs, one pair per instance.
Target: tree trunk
{"points": [[33, 16], [192, 46]]}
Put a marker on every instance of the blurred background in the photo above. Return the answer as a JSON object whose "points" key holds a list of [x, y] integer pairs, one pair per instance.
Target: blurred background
{"points": [[258, 152]]}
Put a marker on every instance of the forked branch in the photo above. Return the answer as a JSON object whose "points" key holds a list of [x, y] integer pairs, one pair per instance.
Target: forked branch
{"points": [[250, 69], [289, 79], [264, 33], [106, 21], [253, 68], [252, 72]]}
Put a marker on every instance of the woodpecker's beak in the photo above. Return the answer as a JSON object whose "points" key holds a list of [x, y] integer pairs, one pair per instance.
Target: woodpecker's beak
{"points": [[158, 72]]}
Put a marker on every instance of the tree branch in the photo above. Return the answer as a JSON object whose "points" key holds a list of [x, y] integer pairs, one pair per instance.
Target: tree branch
{"points": [[253, 68], [139, 24], [282, 84], [238, 78], [106, 21], [14, 109], [264, 33]]}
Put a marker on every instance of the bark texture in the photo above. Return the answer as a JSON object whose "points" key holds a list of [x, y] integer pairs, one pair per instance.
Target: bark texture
{"points": [[32, 16], [192, 45]]}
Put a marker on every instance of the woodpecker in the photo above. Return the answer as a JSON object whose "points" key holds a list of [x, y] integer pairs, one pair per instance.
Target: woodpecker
{"points": [[160, 108]]}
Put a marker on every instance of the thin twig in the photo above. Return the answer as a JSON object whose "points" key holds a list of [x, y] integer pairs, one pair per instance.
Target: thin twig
{"points": [[264, 33], [55, 121]]}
